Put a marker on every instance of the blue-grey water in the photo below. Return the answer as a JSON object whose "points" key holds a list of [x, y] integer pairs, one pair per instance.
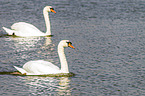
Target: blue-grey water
{"points": [[109, 37]]}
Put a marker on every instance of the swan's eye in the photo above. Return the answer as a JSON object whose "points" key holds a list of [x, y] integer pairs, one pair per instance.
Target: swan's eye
{"points": [[68, 43], [51, 8]]}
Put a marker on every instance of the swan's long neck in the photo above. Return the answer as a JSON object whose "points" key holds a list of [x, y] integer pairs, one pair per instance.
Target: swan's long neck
{"points": [[63, 61], [47, 22]]}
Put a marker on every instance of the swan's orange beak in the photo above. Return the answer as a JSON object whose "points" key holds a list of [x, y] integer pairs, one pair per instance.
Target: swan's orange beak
{"points": [[69, 45], [52, 11]]}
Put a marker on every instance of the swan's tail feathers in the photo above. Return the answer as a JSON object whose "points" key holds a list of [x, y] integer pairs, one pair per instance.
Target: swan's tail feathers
{"points": [[9, 31], [21, 70]]}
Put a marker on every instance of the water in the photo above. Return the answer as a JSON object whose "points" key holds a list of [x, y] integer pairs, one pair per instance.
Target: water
{"points": [[109, 37]]}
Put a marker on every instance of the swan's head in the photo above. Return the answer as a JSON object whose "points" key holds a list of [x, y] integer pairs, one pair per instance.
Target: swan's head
{"points": [[49, 9], [65, 43]]}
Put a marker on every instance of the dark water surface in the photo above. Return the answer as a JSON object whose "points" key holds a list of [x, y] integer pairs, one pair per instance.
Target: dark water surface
{"points": [[109, 36]]}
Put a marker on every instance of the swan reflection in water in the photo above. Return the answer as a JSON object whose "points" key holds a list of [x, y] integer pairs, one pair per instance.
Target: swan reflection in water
{"points": [[64, 88], [30, 42], [48, 85], [24, 46]]}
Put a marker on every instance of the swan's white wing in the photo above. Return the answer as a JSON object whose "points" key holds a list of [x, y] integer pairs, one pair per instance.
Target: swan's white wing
{"points": [[26, 29], [40, 67], [20, 26], [20, 70]]}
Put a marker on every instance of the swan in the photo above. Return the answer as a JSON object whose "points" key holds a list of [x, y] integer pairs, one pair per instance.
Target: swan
{"points": [[41, 67], [24, 29]]}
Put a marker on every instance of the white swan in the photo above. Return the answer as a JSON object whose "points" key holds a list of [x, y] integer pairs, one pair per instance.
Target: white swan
{"points": [[41, 67], [25, 29]]}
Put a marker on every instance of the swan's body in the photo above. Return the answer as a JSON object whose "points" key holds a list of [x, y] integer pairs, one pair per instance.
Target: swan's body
{"points": [[41, 67], [25, 29], [38, 67]]}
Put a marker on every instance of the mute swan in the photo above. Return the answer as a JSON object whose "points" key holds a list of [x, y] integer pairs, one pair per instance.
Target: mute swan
{"points": [[41, 67], [25, 29]]}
